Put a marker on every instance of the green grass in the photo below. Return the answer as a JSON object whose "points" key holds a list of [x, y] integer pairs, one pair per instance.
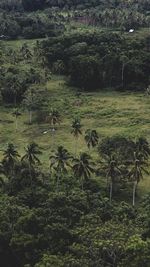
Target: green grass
{"points": [[109, 112]]}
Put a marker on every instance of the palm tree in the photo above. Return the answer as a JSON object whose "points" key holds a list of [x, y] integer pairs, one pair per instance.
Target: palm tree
{"points": [[142, 147], [28, 102], [76, 130], [31, 157], [91, 138], [54, 118], [124, 60], [60, 162], [112, 172], [10, 157], [16, 114], [83, 167], [136, 172]]}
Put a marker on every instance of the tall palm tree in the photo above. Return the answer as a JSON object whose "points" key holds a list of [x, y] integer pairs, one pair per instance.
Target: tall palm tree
{"points": [[83, 167], [31, 157], [91, 138], [16, 114], [10, 157], [29, 102], [112, 171], [136, 172], [142, 147], [60, 162], [54, 117], [32, 153], [76, 131]]}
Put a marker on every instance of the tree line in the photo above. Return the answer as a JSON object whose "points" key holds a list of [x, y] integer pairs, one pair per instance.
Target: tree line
{"points": [[94, 59], [11, 5]]}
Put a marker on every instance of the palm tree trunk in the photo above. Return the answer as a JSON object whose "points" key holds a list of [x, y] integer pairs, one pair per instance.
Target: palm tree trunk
{"points": [[53, 138], [82, 183], [76, 145], [15, 100], [30, 116], [53, 135], [134, 192], [16, 123], [30, 176], [110, 191], [122, 74], [57, 183]]}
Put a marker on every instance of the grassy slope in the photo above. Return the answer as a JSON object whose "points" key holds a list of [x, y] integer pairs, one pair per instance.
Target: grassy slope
{"points": [[110, 113]]}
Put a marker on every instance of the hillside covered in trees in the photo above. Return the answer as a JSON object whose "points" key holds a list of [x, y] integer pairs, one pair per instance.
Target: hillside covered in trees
{"points": [[74, 133]]}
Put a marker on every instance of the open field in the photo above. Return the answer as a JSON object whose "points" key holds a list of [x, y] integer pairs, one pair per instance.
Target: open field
{"points": [[110, 113]]}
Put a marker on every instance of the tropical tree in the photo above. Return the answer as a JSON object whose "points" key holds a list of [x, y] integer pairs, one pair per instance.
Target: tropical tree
{"points": [[83, 167], [10, 158], [60, 162], [139, 166], [31, 102], [124, 60], [76, 131], [112, 172], [25, 51], [142, 147], [32, 153], [91, 138], [16, 113], [54, 118]]}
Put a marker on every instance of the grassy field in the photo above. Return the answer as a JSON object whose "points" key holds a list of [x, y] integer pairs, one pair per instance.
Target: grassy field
{"points": [[109, 112]]}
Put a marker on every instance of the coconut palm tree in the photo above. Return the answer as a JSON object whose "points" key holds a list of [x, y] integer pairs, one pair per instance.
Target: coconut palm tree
{"points": [[112, 172], [10, 158], [136, 172], [142, 147], [91, 138], [54, 118], [31, 157], [83, 167], [32, 153], [60, 162], [29, 102], [76, 131], [16, 114]]}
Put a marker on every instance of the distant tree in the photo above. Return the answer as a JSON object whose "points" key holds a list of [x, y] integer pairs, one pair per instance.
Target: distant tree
{"points": [[112, 172], [16, 114], [32, 101], [54, 118], [83, 167], [76, 131], [142, 147], [60, 162], [139, 166], [26, 52], [10, 158], [91, 138], [32, 153]]}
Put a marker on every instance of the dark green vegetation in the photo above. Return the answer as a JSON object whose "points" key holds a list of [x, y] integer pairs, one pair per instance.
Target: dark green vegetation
{"points": [[74, 142], [96, 59], [49, 18]]}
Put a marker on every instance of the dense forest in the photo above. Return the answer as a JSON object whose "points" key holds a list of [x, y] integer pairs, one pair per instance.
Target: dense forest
{"points": [[74, 142]]}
